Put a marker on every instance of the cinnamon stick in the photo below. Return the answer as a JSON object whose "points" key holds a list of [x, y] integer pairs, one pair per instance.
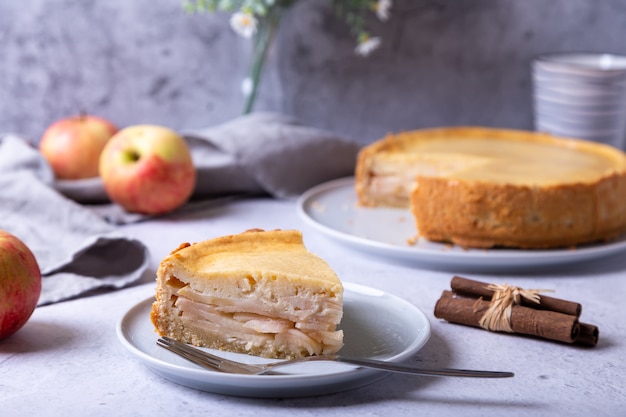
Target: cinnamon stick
{"points": [[588, 335], [529, 321], [470, 287]]}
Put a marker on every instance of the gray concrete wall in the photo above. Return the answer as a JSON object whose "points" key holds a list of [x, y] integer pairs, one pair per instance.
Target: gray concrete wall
{"points": [[443, 62]]}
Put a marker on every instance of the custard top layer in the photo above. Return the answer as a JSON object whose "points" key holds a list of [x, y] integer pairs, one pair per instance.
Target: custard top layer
{"points": [[501, 156], [254, 254]]}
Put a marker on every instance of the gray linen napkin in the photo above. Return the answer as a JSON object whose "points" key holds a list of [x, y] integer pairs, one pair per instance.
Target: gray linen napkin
{"points": [[259, 153], [77, 250], [272, 153]]}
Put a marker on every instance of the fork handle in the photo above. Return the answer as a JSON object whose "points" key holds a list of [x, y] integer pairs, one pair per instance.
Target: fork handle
{"points": [[407, 369]]}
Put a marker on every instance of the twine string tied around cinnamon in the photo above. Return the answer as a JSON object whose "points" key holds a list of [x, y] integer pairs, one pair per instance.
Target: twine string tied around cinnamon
{"points": [[497, 317]]}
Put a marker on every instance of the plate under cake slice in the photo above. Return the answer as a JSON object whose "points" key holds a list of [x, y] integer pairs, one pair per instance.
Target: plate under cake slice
{"points": [[481, 187], [258, 292]]}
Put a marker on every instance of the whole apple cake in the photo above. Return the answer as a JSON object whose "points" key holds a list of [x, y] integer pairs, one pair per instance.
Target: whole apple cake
{"points": [[259, 292], [481, 187]]}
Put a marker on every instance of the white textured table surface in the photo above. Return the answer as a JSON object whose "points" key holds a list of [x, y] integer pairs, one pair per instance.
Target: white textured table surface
{"points": [[68, 360]]}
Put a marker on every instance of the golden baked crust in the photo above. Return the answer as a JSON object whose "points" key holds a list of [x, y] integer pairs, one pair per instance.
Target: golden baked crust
{"points": [[257, 292], [480, 187]]}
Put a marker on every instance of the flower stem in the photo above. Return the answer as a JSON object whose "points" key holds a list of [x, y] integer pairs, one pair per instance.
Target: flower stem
{"points": [[263, 40]]}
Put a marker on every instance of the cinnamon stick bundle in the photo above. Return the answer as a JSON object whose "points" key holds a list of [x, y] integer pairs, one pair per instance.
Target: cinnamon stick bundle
{"points": [[551, 318]]}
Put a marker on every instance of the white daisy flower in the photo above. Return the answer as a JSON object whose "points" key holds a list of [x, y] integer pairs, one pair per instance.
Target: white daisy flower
{"points": [[244, 24], [382, 8], [367, 45], [246, 86]]}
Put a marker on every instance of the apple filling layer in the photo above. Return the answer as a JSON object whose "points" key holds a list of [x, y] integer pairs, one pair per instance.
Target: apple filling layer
{"points": [[258, 320]]}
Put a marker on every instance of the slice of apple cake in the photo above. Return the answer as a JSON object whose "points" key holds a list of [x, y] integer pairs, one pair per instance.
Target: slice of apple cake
{"points": [[258, 292]]}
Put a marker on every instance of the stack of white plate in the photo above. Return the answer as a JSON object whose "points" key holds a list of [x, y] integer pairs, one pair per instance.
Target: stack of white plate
{"points": [[581, 96]]}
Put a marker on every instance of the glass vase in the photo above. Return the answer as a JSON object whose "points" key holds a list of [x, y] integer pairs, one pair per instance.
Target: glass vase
{"points": [[267, 28]]}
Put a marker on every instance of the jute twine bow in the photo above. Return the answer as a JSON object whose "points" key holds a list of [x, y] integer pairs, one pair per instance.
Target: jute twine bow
{"points": [[498, 316]]}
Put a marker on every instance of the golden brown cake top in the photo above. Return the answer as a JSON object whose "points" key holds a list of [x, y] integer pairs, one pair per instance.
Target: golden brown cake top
{"points": [[499, 155], [255, 253]]}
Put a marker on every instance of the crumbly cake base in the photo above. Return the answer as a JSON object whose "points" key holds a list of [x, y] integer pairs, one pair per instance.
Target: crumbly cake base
{"points": [[490, 215]]}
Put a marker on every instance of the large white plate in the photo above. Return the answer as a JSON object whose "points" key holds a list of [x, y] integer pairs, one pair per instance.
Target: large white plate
{"points": [[332, 209], [375, 324]]}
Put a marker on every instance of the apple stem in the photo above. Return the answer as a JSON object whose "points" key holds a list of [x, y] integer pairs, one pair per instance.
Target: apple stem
{"points": [[131, 156]]}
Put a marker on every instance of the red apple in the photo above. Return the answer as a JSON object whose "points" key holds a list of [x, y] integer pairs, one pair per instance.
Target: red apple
{"points": [[72, 146], [147, 169], [20, 284]]}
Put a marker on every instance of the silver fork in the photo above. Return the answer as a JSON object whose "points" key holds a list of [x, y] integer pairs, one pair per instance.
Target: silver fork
{"points": [[217, 363]]}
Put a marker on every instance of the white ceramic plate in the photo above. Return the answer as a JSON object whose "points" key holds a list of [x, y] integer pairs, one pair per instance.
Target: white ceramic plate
{"points": [[331, 208], [375, 324]]}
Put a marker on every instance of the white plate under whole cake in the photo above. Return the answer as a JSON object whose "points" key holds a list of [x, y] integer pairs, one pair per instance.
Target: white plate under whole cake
{"points": [[376, 325], [331, 209]]}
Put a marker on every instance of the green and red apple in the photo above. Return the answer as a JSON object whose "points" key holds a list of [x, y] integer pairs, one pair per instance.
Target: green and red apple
{"points": [[147, 169], [72, 146], [20, 284]]}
